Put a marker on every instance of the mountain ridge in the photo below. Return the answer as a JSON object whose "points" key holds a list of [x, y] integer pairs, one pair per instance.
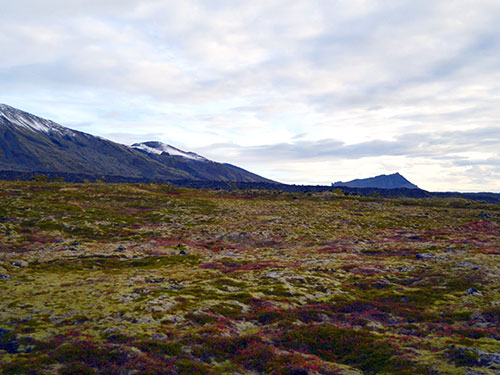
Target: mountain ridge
{"points": [[29, 143]]}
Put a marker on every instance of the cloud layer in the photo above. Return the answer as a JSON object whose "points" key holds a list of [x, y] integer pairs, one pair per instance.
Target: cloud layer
{"points": [[303, 91]]}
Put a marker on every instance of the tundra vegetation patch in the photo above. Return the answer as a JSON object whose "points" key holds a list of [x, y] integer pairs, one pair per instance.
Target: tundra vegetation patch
{"points": [[139, 279]]}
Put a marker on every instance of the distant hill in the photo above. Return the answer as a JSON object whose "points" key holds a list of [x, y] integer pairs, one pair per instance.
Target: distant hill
{"points": [[32, 144], [391, 181]]}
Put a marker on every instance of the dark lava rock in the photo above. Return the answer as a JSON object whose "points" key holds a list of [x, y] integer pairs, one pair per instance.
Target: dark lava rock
{"points": [[5, 277], [182, 252], [175, 287], [20, 263], [155, 281], [7, 341], [424, 256], [476, 357], [473, 292], [122, 248], [483, 215]]}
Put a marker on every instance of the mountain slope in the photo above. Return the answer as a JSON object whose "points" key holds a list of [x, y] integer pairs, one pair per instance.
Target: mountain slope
{"points": [[31, 144], [391, 181], [196, 165]]}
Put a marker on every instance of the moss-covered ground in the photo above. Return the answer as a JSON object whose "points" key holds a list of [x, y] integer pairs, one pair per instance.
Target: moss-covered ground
{"points": [[152, 279]]}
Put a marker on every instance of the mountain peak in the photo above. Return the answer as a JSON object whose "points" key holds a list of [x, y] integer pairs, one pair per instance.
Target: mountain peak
{"points": [[158, 148], [28, 121], [384, 181]]}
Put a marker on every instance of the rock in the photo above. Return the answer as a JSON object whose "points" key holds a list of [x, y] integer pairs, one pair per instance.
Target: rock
{"points": [[71, 248], [491, 360], [380, 285], [428, 256], [155, 280], [468, 265], [479, 358], [20, 263], [7, 342], [111, 332], [406, 269], [473, 292], [273, 275], [159, 305], [76, 243], [175, 287], [5, 277], [122, 248], [182, 252], [145, 320], [424, 256]]}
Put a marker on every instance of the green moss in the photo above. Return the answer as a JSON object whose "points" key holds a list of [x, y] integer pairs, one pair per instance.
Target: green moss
{"points": [[187, 367], [159, 347], [114, 263], [201, 318], [227, 310]]}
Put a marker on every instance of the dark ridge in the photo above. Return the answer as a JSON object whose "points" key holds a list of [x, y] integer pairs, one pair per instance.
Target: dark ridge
{"points": [[385, 181], [229, 186]]}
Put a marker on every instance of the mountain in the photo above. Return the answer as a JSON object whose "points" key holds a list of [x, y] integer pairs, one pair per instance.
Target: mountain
{"points": [[159, 148], [391, 181], [32, 144], [197, 166]]}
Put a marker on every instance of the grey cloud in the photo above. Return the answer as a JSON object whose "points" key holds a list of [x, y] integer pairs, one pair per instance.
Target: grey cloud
{"points": [[438, 146], [247, 54]]}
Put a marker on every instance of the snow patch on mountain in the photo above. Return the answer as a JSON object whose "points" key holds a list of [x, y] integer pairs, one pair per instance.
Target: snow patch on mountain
{"points": [[159, 148], [29, 121]]}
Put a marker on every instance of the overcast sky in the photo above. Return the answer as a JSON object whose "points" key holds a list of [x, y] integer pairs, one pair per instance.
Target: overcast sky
{"points": [[307, 92]]}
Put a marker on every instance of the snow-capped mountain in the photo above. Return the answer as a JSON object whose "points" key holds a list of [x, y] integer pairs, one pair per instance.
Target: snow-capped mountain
{"points": [[31, 122], [159, 148], [32, 144]]}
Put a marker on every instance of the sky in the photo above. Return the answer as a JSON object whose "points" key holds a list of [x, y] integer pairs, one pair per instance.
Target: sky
{"points": [[302, 91]]}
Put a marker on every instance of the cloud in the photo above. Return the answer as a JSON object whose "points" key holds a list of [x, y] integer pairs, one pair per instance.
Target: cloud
{"points": [[439, 146]]}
